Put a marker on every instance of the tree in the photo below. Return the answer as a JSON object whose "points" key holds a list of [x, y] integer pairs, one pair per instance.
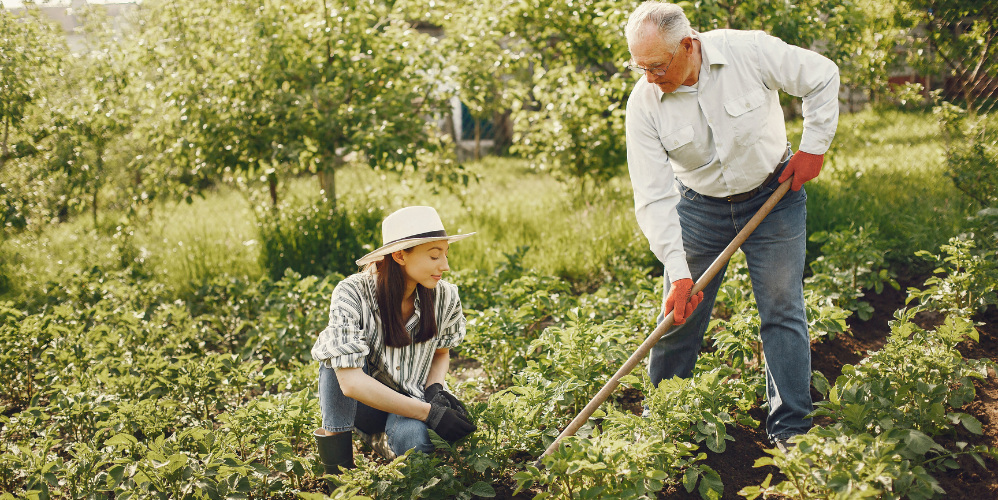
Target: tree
{"points": [[571, 118], [267, 87], [28, 46], [92, 108], [480, 56], [958, 41]]}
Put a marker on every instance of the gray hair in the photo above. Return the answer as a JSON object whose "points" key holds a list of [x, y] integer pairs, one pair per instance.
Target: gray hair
{"points": [[668, 18]]}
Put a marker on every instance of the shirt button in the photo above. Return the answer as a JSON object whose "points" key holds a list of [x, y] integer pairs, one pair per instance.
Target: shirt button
{"points": [[675, 143], [748, 105], [397, 367]]}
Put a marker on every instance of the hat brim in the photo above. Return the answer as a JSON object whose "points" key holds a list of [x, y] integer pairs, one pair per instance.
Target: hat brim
{"points": [[403, 244]]}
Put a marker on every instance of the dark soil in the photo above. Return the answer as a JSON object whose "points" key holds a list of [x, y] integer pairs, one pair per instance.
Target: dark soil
{"points": [[735, 465]]}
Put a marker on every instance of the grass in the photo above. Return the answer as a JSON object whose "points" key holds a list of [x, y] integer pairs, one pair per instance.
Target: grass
{"points": [[886, 169]]}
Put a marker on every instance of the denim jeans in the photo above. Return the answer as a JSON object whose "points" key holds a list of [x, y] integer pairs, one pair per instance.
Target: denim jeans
{"points": [[775, 256], [339, 412]]}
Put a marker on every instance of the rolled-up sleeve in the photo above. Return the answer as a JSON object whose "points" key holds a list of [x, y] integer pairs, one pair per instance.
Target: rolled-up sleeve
{"points": [[454, 324], [655, 193], [343, 343], [810, 76]]}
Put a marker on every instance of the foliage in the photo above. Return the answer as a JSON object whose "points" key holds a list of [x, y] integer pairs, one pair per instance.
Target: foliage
{"points": [[605, 466], [482, 57], [955, 38], [851, 262], [27, 49], [971, 155], [325, 79], [315, 238], [571, 118], [837, 464], [967, 282], [909, 383]]}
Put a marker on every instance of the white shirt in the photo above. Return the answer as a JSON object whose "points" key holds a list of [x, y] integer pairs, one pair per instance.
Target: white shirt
{"points": [[725, 135]]}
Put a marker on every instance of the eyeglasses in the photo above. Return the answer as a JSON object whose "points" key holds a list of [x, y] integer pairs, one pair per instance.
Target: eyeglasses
{"points": [[655, 71]]}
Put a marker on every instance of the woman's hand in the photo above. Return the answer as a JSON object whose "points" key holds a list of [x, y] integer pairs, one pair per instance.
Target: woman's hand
{"points": [[452, 402], [447, 422]]}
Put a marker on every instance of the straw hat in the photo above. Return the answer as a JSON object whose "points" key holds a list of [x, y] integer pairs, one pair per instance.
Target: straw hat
{"points": [[409, 227]]}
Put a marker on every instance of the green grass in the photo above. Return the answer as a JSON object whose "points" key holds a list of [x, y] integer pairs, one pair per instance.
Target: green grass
{"points": [[886, 168]]}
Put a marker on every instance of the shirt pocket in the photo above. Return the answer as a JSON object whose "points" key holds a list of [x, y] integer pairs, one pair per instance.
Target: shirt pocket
{"points": [[747, 116], [678, 138]]}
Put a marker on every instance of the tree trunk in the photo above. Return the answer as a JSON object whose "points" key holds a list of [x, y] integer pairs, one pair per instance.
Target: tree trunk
{"points": [[97, 181], [478, 140], [327, 177], [93, 203], [272, 184], [6, 135]]}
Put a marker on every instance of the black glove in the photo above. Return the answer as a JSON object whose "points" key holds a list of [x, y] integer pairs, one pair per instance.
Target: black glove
{"points": [[430, 393], [447, 422]]}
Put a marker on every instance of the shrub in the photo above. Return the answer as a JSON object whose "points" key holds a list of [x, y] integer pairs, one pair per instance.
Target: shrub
{"points": [[316, 238], [851, 261]]}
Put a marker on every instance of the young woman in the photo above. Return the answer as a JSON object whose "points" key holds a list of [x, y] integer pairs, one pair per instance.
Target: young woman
{"points": [[387, 347]]}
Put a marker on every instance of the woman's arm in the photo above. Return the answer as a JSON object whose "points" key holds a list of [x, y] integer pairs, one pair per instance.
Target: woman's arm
{"points": [[358, 385], [438, 367]]}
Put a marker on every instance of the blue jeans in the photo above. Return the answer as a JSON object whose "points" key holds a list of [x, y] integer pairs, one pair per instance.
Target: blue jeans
{"points": [[775, 256], [339, 412]]}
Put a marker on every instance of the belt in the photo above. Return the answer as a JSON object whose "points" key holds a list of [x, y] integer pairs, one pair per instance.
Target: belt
{"points": [[740, 197]]}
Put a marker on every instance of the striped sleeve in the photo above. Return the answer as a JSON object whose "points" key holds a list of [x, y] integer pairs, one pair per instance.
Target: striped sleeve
{"points": [[451, 324], [343, 343]]}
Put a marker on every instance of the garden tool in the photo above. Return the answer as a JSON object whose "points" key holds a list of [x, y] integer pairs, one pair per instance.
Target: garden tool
{"points": [[667, 323], [335, 453]]}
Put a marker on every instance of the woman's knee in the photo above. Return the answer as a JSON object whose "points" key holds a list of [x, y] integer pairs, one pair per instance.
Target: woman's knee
{"points": [[405, 434]]}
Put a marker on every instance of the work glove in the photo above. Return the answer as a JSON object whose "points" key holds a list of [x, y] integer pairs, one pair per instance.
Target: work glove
{"points": [[452, 402], [446, 421], [804, 167], [679, 299]]}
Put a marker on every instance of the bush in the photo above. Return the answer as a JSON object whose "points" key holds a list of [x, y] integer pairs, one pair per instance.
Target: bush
{"points": [[316, 239]]}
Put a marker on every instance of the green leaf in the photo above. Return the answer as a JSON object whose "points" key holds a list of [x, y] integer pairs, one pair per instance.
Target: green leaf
{"points": [[919, 442], [971, 423], [711, 487], [121, 439], [482, 489], [690, 479]]}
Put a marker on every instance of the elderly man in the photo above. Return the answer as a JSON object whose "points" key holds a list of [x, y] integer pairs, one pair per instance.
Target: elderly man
{"points": [[706, 146]]}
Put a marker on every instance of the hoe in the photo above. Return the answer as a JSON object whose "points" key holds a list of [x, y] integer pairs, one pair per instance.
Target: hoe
{"points": [[667, 323]]}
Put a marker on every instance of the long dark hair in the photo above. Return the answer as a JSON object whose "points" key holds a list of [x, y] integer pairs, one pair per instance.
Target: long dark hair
{"points": [[390, 288]]}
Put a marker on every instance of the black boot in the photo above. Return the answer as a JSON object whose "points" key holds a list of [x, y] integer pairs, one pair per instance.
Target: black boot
{"points": [[335, 453]]}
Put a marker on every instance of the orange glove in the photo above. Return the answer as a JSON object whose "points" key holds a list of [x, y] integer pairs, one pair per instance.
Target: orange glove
{"points": [[804, 167], [679, 294]]}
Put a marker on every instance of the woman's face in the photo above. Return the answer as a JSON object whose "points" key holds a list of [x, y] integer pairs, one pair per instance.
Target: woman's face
{"points": [[424, 264]]}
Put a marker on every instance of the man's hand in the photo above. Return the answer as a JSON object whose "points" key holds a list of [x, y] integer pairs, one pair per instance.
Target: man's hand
{"points": [[804, 167], [679, 299]]}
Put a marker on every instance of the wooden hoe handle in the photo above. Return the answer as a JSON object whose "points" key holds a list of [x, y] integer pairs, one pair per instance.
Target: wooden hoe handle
{"points": [[656, 335]]}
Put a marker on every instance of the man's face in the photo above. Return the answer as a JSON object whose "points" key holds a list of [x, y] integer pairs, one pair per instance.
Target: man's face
{"points": [[650, 51]]}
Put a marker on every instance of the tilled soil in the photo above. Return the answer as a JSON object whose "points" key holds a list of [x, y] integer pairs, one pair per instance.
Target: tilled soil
{"points": [[735, 465]]}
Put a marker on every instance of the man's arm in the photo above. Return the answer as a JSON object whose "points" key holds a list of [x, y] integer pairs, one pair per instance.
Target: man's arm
{"points": [[810, 76], [655, 195]]}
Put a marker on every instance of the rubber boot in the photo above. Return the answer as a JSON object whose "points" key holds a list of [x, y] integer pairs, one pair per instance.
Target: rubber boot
{"points": [[335, 453]]}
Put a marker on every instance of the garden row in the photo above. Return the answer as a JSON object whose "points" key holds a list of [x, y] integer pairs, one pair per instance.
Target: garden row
{"points": [[114, 389]]}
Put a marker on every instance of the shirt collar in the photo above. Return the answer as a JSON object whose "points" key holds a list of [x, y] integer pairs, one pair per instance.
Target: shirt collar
{"points": [[709, 56], [709, 51]]}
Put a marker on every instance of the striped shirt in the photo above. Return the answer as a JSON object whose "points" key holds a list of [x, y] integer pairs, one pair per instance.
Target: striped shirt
{"points": [[355, 334]]}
